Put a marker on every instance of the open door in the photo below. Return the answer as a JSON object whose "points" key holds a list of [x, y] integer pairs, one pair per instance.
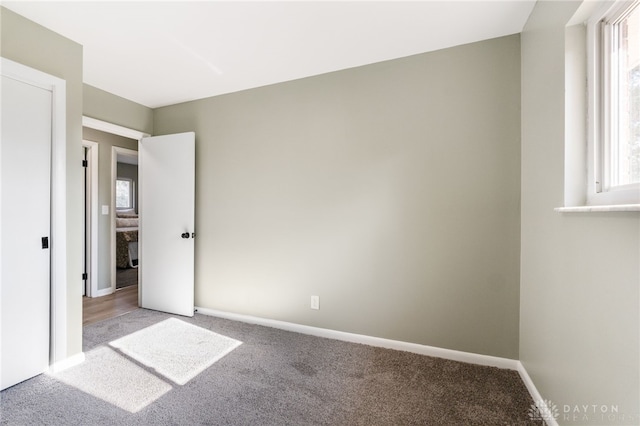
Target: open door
{"points": [[166, 173]]}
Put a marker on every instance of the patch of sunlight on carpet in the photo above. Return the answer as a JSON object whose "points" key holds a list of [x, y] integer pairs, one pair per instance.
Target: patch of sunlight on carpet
{"points": [[175, 349], [113, 378]]}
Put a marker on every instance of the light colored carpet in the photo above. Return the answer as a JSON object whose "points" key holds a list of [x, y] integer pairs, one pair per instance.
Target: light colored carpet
{"points": [[286, 379], [132, 371], [175, 349], [107, 375]]}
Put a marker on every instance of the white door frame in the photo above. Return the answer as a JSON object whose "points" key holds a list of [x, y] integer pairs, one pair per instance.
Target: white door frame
{"points": [[92, 216], [115, 151], [127, 133], [57, 86]]}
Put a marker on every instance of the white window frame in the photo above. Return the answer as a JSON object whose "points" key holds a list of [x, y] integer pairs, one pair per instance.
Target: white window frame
{"points": [[600, 191], [131, 194]]}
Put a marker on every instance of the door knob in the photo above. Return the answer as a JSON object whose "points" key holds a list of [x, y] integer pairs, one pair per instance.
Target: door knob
{"points": [[185, 235]]}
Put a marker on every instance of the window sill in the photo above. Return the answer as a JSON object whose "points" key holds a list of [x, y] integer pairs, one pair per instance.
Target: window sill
{"points": [[596, 209]]}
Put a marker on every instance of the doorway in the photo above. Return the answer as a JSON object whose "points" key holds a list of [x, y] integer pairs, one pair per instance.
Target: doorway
{"points": [[167, 178], [108, 301], [125, 191]]}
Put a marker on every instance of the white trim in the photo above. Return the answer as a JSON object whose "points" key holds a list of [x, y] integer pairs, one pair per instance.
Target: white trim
{"points": [[451, 354], [72, 361], [103, 292], [115, 151], [113, 128], [470, 358], [59, 224], [533, 391], [599, 179], [596, 209], [510, 364], [93, 158], [58, 340]]}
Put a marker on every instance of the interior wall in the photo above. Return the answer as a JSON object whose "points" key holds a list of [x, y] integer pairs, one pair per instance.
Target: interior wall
{"points": [[580, 299], [106, 141], [32, 45], [391, 191], [113, 109]]}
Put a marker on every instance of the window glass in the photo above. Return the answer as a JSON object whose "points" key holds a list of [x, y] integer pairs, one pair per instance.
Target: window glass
{"points": [[124, 194], [625, 145]]}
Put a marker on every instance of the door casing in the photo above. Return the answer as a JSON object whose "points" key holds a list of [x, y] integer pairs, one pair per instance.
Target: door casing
{"points": [[92, 213], [115, 129], [114, 174]]}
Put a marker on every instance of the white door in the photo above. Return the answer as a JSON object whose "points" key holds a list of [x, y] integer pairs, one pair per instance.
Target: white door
{"points": [[24, 231], [166, 174]]}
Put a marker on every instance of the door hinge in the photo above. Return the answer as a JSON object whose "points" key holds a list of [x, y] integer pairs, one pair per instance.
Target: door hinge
{"points": [[85, 163], [85, 276]]}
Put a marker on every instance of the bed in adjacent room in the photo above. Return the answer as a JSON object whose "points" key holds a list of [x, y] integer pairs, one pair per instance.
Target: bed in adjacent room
{"points": [[126, 239]]}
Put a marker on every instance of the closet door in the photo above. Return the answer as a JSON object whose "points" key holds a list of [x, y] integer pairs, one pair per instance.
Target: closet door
{"points": [[25, 213]]}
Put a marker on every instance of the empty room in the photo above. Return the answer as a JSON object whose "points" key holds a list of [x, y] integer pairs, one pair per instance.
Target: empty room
{"points": [[335, 213]]}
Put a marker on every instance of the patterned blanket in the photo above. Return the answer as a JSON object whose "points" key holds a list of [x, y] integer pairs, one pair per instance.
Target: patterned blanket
{"points": [[123, 238]]}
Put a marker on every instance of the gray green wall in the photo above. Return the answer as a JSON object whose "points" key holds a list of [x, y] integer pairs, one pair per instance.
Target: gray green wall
{"points": [[580, 274], [392, 191], [32, 45], [113, 109], [106, 141]]}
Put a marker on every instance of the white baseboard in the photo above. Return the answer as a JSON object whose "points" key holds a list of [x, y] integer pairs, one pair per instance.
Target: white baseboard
{"points": [[67, 363], [451, 354], [533, 391], [103, 292]]}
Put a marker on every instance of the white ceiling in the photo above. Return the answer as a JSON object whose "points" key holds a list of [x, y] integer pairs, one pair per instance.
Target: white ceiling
{"points": [[161, 53]]}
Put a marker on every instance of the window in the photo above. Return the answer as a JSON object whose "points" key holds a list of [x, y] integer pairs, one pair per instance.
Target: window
{"points": [[615, 76], [124, 193]]}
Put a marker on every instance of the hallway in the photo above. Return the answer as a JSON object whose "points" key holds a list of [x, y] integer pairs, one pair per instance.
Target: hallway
{"points": [[113, 305]]}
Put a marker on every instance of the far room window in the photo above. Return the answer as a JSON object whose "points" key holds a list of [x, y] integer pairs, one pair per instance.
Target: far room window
{"points": [[124, 193], [616, 115]]}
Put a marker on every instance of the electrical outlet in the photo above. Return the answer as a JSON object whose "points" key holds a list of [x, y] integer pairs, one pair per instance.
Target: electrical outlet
{"points": [[315, 302]]}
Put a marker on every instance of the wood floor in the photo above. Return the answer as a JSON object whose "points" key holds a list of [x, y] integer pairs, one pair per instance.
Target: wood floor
{"points": [[100, 308]]}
